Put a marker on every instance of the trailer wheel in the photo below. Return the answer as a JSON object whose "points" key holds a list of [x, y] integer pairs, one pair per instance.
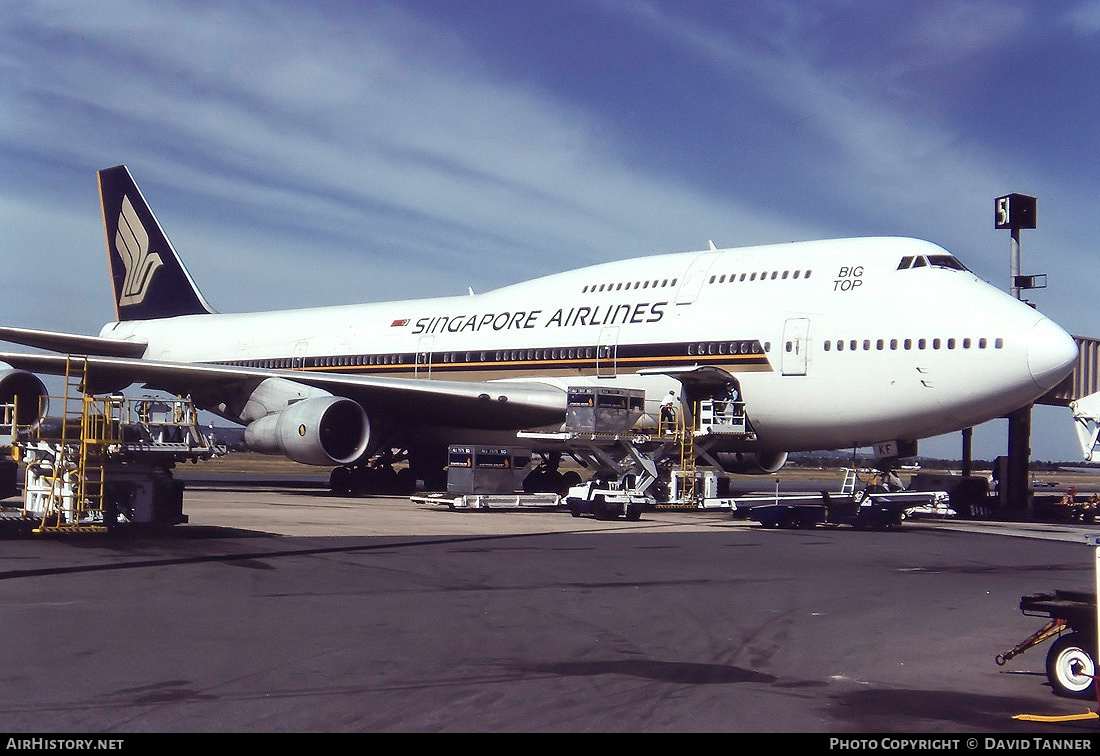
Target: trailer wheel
{"points": [[1071, 666]]}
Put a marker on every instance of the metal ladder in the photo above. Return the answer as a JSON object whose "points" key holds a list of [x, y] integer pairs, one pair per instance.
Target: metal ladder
{"points": [[848, 486], [87, 427], [685, 474], [687, 470]]}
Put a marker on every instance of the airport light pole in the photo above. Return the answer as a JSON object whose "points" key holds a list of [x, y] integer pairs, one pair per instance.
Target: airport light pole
{"points": [[1016, 212]]}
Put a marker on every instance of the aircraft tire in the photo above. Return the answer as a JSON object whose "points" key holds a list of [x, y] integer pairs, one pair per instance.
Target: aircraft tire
{"points": [[541, 481], [385, 480], [405, 482], [363, 480], [340, 481], [1071, 665]]}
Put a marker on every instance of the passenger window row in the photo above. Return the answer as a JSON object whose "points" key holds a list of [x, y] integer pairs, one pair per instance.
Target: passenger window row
{"points": [[335, 361], [773, 275], [657, 283], [879, 345], [548, 355], [728, 347]]}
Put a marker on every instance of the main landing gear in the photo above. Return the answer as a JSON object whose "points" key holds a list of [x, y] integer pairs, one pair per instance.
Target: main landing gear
{"points": [[371, 479], [385, 473]]}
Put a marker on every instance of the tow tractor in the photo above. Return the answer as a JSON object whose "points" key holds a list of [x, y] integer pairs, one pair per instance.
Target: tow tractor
{"points": [[1071, 659], [606, 499]]}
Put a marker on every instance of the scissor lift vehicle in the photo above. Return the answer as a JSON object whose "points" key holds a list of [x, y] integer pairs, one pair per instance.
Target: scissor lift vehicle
{"points": [[601, 432]]}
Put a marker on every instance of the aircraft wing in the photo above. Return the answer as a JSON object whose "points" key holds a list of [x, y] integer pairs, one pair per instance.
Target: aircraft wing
{"points": [[69, 343], [489, 405]]}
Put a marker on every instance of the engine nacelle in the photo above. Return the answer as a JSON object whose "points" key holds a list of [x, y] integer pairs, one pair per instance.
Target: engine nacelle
{"points": [[25, 390], [751, 463], [319, 431]]}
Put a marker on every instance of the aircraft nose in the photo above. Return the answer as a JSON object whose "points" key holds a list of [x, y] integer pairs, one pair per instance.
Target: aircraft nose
{"points": [[1051, 354]]}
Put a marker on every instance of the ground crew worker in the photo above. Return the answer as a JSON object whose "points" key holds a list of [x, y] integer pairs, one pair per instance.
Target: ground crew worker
{"points": [[668, 412]]}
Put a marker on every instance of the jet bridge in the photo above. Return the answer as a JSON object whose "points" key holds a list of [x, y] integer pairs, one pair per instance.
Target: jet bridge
{"points": [[1086, 421], [1080, 391]]}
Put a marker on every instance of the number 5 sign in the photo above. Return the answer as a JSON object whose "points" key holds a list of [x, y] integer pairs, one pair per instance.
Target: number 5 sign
{"points": [[1014, 211]]}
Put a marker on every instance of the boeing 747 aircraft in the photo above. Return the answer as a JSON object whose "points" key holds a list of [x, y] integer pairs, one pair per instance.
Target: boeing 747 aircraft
{"points": [[830, 344]]}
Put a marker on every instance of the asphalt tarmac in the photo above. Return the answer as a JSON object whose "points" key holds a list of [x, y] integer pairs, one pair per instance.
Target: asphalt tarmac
{"points": [[282, 609]]}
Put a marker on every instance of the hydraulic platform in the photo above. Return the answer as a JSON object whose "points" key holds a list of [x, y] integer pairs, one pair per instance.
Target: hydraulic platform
{"points": [[640, 468], [103, 461]]}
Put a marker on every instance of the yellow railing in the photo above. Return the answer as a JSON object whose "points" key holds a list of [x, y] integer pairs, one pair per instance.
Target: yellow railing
{"points": [[76, 487], [675, 424]]}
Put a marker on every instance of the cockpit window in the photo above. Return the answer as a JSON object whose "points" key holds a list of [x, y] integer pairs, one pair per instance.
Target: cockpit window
{"points": [[949, 262], [945, 261]]}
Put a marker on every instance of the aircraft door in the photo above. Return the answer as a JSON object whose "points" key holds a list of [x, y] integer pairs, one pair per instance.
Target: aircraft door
{"points": [[299, 360], [796, 332], [423, 368], [607, 353], [693, 279]]}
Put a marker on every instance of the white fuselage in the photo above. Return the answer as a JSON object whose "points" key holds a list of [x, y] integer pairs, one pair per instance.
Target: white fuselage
{"points": [[833, 345]]}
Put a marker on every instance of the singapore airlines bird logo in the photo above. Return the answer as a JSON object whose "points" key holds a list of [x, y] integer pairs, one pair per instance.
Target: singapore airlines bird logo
{"points": [[132, 243]]}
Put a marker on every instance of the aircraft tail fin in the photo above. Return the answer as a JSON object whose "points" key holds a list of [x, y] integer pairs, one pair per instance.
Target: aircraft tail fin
{"points": [[150, 281]]}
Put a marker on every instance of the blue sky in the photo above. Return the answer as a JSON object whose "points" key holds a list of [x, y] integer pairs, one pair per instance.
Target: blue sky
{"points": [[337, 152]]}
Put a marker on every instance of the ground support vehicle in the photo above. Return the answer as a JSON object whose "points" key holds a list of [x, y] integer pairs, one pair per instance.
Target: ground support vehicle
{"points": [[103, 462], [865, 510], [485, 502], [1071, 659], [608, 499]]}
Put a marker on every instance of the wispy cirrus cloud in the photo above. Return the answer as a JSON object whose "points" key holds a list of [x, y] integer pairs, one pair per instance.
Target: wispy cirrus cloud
{"points": [[341, 152], [360, 145]]}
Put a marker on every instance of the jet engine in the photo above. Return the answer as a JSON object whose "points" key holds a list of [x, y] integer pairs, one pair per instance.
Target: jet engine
{"points": [[751, 463], [319, 431], [25, 391]]}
